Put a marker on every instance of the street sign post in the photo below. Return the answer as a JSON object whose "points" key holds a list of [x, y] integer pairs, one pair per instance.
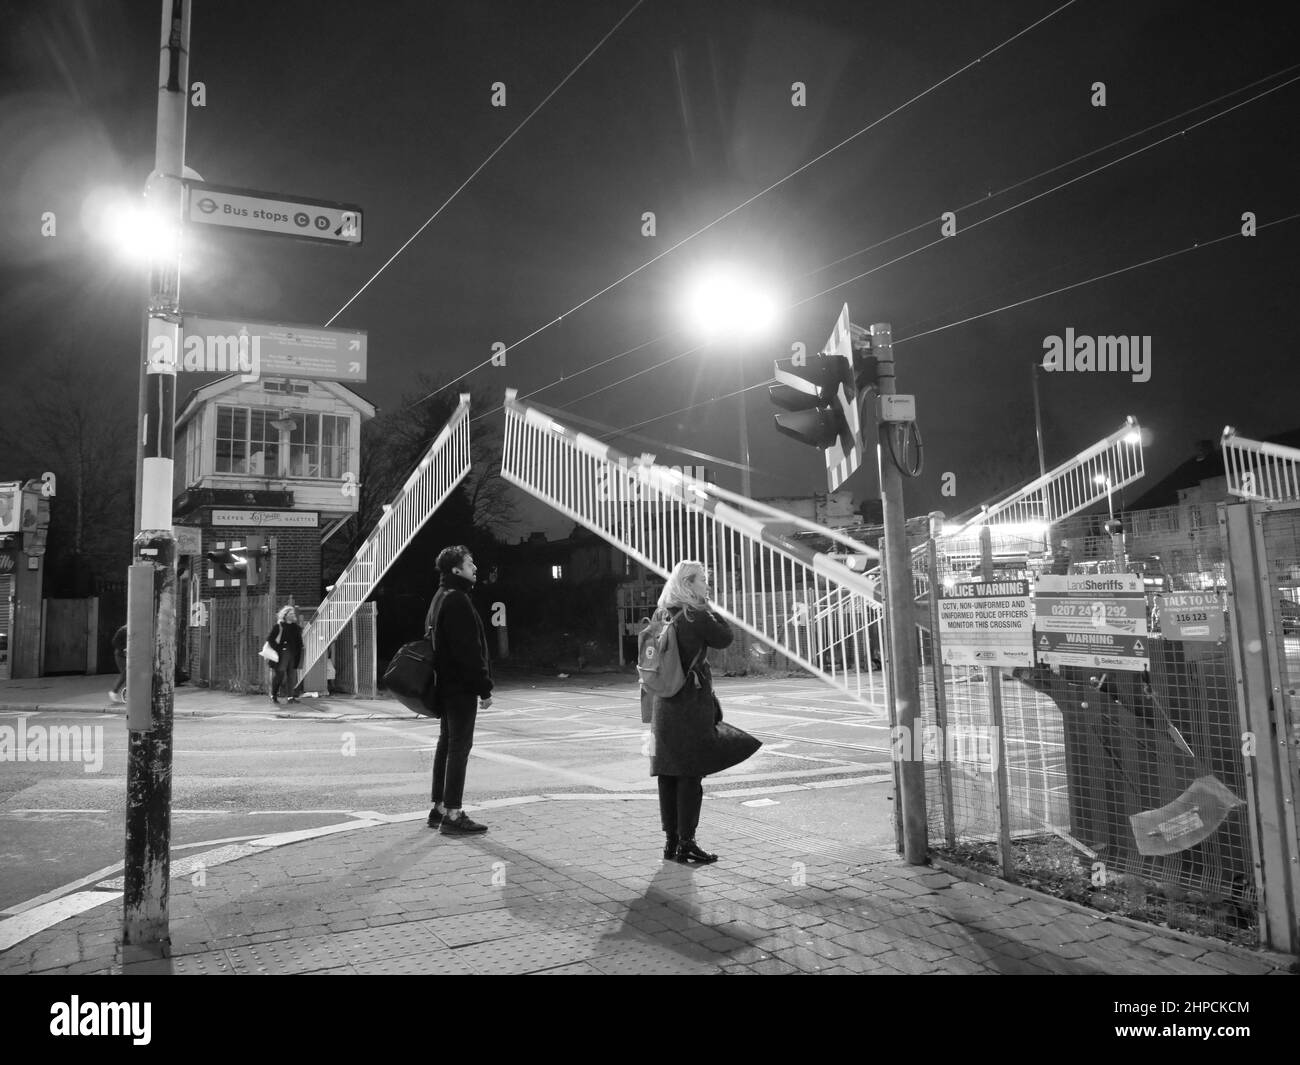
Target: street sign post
{"points": [[271, 212], [272, 349], [1091, 620]]}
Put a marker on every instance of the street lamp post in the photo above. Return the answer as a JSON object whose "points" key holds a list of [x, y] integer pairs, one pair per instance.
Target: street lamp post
{"points": [[1112, 526], [151, 607], [745, 486]]}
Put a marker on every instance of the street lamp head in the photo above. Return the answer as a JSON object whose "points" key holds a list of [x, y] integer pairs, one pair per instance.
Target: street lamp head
{"points": [[135, 230], [726, 302]]}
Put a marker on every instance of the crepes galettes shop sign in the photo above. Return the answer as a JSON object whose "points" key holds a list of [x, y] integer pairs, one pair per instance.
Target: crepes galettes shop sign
{"points": [[268, 519]]}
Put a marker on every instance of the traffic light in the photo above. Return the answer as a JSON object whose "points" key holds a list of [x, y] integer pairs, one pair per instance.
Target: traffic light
{"points": [[810, 392], [228, 563], [823, 393]]}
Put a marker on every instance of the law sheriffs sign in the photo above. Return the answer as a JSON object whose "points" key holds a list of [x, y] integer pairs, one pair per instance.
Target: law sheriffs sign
{"points": [[987, 623], [279, 519], [1091, 620]]}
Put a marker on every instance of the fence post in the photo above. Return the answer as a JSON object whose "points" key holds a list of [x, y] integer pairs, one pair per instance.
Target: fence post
{"points": [[1263, 708], [993, 679], [939, 675]]}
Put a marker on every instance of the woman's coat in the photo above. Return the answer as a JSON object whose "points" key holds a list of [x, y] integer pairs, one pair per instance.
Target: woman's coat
{"points": [[685, 740]]}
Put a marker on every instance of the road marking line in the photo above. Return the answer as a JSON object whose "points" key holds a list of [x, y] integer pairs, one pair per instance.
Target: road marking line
{"points": [[16, 929]]}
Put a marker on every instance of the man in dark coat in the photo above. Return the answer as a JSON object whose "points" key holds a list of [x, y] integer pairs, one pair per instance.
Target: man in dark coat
{"points": [[464, 686]]}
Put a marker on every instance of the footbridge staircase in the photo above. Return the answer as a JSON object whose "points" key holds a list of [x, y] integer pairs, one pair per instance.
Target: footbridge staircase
{"points": [[442, 468], [803, 603]]}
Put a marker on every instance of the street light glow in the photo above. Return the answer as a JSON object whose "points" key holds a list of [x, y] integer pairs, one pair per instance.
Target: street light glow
{"points": [[130, 227], [725, 301]]}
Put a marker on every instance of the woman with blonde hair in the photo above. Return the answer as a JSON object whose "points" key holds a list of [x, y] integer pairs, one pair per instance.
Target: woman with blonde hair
{"points": [[687, 743], [286, 641]]}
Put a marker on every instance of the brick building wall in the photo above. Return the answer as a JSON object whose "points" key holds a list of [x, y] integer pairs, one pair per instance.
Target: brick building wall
{"points": [[296, 559], [295, 570]]}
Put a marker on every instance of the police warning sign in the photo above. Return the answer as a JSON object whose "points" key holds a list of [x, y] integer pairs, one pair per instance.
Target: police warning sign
{"points": [[1091, 620], [987, 623]]}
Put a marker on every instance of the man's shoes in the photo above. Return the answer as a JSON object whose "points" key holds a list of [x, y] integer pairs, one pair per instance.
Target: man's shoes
{"points": [[435, 818], [461, 826], [688, 853], [670, 846], [275, 700], [293, 698]]}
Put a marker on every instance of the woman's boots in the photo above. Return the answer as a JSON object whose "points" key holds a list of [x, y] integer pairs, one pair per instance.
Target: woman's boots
{"points": [[688, 852]]}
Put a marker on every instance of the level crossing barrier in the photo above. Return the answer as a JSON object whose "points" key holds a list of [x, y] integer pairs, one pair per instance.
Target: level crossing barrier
{"points": [[1023, 518], [1258, 470]]}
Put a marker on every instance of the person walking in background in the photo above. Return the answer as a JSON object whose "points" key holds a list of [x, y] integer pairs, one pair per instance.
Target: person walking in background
{"points": [[686, 742], [464, 686], [286, 640], [118, 694]]}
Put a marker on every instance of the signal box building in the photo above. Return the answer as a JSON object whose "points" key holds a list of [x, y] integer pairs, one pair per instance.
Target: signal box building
{"points": [[273, 458]]}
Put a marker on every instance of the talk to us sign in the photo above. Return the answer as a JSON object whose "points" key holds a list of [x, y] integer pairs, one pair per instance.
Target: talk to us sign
{"points": [[1191, 616]]}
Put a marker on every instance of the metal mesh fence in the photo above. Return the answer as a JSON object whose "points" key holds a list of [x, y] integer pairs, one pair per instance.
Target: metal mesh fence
{"points": [[1282, 549], [1124, 790], [238, 630], [354, 656]]}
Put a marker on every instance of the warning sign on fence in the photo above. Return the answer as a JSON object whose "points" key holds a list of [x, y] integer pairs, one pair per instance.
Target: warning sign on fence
{"points": [[987, 623], [1091, 620]]}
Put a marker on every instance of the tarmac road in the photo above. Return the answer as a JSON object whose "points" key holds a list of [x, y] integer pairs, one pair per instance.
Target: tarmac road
{"points": [[241, 771]]}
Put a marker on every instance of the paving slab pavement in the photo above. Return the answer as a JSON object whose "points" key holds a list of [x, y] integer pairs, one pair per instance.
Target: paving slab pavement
{"points": [[569, 888]]}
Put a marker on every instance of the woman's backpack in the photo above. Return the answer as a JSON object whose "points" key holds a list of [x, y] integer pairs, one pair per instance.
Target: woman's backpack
{"points": [[658, 660]]}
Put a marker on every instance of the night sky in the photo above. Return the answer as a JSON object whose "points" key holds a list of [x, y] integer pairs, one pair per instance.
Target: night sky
{"points": [[686, 111]]}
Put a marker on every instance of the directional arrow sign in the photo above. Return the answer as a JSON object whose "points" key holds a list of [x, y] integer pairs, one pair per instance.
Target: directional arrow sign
{"points": [[272, 349], [270, 212]]}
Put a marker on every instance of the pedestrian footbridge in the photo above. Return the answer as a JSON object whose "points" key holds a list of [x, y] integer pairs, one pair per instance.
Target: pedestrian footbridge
{"points": [[823, 610]]}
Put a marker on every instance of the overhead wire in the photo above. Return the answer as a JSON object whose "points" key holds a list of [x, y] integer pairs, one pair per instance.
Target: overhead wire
{"points": [[913, 229], [492, 155], [776, 184], [1196, 246]]}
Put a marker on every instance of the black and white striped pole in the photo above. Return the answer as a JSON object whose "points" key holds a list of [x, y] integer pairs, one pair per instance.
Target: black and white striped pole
{"points": [[151, 604]]}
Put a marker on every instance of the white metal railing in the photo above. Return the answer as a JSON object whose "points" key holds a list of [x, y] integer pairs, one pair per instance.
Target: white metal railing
{"points": [[806, 605], [1258, 470], [443, 467]]}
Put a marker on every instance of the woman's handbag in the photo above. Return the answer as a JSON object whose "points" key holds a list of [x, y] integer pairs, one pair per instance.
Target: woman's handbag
{"points": [[730, 745], [269, 653]]}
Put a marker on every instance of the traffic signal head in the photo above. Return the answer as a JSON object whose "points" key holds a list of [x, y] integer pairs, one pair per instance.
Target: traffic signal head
{"points": [[227, 562], [810, 390], [820, 428]]}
